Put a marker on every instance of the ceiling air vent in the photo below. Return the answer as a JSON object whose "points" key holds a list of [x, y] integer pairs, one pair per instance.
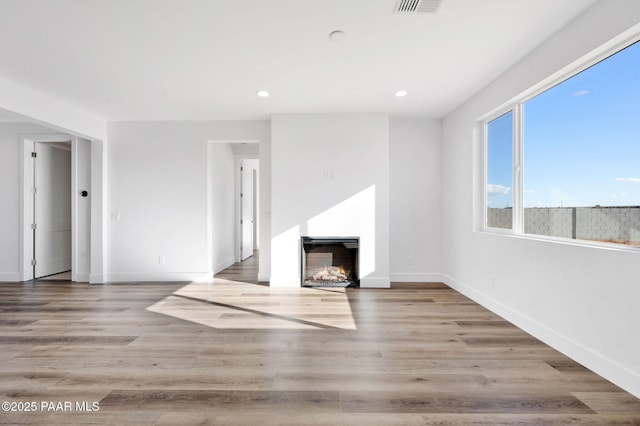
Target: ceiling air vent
{"points": [[417, 6]]}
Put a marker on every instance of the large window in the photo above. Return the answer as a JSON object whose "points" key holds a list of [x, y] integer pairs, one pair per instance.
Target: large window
{"points": [[580, 148]]}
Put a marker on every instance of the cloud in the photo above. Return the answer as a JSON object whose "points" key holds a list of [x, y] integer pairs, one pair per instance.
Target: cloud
{"points": [[494, 189], [633, 180], [581, 93]]}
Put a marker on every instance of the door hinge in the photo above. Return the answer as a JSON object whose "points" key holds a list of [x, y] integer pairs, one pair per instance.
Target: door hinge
{"points": [[241, 221], [33, 262], [34, 155], [34, 226], [34, 190], [241, 195], [241, 168]]}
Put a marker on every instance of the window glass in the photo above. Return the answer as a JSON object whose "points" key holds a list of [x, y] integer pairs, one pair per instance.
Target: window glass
{"points": [[500, 172], [581, 154]]}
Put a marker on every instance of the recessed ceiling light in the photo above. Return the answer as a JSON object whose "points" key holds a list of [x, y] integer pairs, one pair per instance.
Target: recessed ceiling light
{"points": [[262, 93], [336, 35], [401, 93]]}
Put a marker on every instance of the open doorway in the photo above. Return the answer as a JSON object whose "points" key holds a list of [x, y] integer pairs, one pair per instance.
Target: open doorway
{"points": [[51, 226], [233, 217], [56, 208], [248, 208]]}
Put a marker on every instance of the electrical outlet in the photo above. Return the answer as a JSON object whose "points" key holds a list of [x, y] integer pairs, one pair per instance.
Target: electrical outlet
{"points": [[410, 260], [492, 282], [160, 260]]}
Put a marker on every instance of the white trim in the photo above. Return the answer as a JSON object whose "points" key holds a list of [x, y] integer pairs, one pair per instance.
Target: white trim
{"points": [[417, 277], [96, 278], [74, 208], [11, 277], [375, 283], [567, 241], [605, 367], [158, 276], [517, 210]]}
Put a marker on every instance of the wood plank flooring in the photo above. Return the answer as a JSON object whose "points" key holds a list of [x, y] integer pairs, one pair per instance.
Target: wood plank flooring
{"points": [[232, 351]]}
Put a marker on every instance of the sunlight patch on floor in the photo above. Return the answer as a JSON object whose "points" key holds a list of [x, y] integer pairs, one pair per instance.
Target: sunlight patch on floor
{"points": [[227, 304]]}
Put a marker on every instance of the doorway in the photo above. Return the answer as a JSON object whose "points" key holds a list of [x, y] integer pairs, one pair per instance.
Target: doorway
{"points": [[51, 226], [55, 217], [248, 207]]}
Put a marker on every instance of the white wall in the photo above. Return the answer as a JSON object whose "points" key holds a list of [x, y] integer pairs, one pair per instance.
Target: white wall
{"points": [[159, 223], [330, 177], [98, 194], [581, 300], [81, 152], [222, 182], [415, 204], [264, 232], [11, 196]]}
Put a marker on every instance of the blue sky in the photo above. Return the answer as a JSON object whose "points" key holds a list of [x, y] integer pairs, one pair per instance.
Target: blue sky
{"points": [[581, 141]]}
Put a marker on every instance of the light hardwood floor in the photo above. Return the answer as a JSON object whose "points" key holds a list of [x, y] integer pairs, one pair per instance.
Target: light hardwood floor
{"points": [[231, 352]]}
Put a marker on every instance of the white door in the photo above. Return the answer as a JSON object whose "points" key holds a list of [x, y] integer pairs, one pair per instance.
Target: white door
{"points": [[52, 209], [246, 211]]}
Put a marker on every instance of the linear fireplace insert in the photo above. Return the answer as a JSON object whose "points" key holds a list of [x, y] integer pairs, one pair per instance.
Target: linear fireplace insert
{"points": [[329, 261]]}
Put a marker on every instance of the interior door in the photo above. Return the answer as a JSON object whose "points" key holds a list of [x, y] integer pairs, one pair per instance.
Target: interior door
{"points": [[52, 209], [246, 202]]}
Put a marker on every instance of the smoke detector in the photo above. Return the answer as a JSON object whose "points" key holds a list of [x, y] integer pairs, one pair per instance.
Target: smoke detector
{"points": [[417, 6]]}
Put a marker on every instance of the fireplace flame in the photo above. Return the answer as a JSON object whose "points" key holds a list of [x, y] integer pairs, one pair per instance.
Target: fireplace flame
{"points": [[330, 273]]}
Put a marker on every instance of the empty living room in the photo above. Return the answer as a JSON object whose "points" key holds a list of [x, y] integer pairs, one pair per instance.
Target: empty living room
{"points": [[293, 212]]}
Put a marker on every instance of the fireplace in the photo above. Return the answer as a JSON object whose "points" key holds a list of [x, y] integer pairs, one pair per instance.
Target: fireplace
{"points": [[329, 261]]}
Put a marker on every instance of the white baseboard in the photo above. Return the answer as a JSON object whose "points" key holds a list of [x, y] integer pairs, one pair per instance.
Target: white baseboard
{"points": [[419, 277], [224, 264], [81, 277], [158, 276], [96, 278], [610, 370], [10, 277], [375, 283]]}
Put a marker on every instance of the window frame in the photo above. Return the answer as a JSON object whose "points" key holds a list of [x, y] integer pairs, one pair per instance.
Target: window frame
{"points": [[485, 175], [516, 106]]}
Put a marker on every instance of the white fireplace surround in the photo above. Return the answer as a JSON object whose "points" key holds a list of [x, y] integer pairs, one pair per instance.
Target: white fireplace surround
{"points": [[330, 178]]}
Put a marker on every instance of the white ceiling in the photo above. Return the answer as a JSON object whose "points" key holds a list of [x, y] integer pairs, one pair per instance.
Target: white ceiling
{"points": [[205, 59]]}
